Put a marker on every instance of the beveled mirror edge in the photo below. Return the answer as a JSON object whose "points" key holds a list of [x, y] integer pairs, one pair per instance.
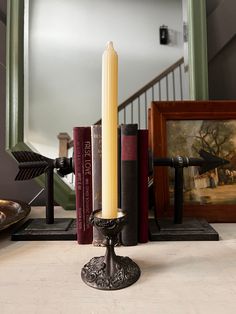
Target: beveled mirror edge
{"points": [[63, 194]]}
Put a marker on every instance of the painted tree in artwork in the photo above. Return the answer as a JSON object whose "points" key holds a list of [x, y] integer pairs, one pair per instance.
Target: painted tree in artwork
{"points": [[216, 137], [176, 139]]}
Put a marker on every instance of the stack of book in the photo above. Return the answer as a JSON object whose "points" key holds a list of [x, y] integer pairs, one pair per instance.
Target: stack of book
{"points": [[133, 182]]}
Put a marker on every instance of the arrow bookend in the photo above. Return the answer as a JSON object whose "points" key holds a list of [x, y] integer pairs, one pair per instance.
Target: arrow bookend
{"points": [[32, 165], [179, 228]]}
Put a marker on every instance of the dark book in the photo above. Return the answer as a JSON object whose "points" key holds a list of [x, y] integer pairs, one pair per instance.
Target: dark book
{"points": [[143, 186], [96, 137], [83, 183], [129, 183], [119, 165]]}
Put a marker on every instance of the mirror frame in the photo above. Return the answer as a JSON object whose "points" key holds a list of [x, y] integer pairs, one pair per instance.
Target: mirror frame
{"points": [[63, 194], [197, 50], [198, 80]]}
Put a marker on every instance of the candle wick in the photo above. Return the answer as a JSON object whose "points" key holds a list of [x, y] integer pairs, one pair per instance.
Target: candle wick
{"points": [[109, 44]]}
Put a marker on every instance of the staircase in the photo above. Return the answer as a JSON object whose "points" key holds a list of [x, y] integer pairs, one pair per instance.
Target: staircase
{"points": [[169, 85]]}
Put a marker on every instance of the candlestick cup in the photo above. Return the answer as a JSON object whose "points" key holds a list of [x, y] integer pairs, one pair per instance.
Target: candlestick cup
{"points": [[110, 272]]}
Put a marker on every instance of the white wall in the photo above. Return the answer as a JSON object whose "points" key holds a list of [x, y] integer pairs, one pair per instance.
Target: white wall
{"points": [[66, 42]]}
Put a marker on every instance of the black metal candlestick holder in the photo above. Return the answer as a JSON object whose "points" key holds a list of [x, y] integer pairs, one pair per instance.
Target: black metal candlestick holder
{"points": [[110, 272]]}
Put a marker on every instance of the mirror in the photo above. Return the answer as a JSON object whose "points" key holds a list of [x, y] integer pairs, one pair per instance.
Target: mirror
{"points": [[54, 64], [64, 42]]}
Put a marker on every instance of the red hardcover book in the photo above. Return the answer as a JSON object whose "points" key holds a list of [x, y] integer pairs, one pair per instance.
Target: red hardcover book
{"points": [[129, 183], [83, 183], [143, 186]]}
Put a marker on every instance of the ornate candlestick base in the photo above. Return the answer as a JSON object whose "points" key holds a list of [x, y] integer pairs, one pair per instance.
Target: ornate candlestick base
{"points": [[110, 272]]}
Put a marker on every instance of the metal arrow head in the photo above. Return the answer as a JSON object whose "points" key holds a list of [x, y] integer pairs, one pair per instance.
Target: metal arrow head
{"points": [[210, 161], [31, 165]]}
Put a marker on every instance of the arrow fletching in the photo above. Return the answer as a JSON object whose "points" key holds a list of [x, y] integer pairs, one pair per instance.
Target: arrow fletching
{"points": [[26, 156], [31, 165]]}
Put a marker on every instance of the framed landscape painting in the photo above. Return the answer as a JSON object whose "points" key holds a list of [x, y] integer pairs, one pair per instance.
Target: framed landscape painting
{"points": [[183, 129]]}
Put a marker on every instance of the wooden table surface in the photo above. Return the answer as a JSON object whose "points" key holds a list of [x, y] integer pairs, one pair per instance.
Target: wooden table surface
{"points": [[40, 277]]}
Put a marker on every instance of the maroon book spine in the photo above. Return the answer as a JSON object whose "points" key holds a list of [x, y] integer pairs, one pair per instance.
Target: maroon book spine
{"points": [[143, 186], [83, 183], [129, 183]]}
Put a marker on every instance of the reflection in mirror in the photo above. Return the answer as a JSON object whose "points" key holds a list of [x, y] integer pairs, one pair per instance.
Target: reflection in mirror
{"points": [[64, 42]]}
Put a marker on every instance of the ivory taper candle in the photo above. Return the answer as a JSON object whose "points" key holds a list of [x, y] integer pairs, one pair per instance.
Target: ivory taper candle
{"points": [[109, 132]]}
